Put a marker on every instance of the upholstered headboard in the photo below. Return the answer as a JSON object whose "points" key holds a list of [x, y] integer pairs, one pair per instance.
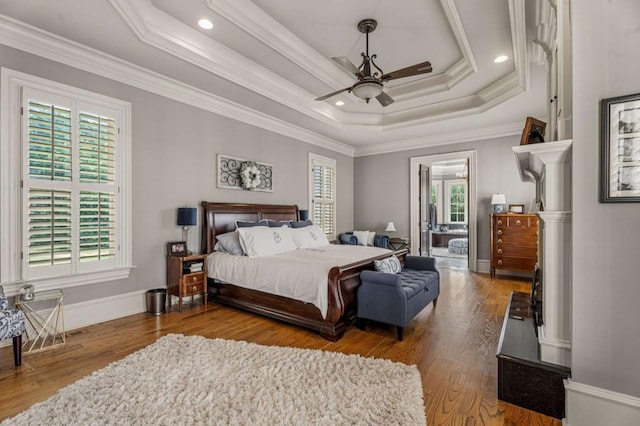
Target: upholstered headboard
{"points": [[219, 218]]}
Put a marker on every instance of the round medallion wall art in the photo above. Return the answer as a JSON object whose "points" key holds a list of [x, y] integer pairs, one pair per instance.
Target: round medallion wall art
{"points": [[239, 173]]}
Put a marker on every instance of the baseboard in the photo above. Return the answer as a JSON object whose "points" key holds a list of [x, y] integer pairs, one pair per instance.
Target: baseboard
{"points": [[96, 311], [483, 266], [591, 406]]}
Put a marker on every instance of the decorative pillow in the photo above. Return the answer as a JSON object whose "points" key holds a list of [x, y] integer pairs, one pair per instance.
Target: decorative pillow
{"points": [[278, 223], [362, 236], [244, 224], [309, 237], [371, 238], [218, 247], [264, 241], [390, 265], [230, 242], [300, 224]]}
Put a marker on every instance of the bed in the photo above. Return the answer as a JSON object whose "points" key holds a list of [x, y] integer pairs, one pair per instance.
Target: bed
{"points": [[343, 281]]}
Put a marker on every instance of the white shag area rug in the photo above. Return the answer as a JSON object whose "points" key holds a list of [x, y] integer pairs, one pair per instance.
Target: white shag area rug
{"points": [[193, 380]]}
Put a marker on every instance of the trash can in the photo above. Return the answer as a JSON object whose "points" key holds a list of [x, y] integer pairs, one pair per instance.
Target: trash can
{"points": [[156, 301]]}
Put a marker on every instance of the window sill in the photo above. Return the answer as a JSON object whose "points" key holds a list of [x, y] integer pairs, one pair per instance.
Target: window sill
{"points": [[13, 288]]}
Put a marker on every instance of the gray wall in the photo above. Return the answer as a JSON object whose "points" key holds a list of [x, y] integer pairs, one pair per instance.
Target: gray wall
{"points": [[174, 149], [606, 243], [382, 185]]}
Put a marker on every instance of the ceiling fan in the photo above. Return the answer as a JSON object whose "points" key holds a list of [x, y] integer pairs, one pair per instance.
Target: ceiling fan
{"points": [[370, 84]]}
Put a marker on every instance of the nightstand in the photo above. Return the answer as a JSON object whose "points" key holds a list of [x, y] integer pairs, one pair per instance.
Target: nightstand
{"points": [[186, 276]]}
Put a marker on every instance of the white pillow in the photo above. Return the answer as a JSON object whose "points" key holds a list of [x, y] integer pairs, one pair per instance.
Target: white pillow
{"points": [[390, 265], [309, 237], [264, 241], [362, 236], [371, 238]]}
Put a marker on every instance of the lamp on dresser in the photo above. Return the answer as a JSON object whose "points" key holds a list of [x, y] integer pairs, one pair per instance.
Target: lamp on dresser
{"points": [[390, 228], [497, 202], [187, 216]]}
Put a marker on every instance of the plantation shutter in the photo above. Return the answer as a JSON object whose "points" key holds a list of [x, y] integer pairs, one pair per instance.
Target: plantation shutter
{"points": [[97, 167], [323, 195], [69, 186]]}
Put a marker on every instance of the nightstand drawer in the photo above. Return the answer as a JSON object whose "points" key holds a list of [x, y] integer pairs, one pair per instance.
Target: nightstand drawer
{"points": [[193, 284]]}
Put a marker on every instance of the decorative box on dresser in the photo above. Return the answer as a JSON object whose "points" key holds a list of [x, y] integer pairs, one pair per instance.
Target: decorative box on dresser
{"points": [[184, 278], [514, 242]]}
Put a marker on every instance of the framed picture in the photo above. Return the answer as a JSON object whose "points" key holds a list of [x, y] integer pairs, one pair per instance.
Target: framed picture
{"points": [[516, 208], [620, 149], [533, 131], [177, 248]]}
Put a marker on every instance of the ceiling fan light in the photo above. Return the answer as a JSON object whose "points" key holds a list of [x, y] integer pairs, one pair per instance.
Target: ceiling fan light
{"points": [[367, 89]]}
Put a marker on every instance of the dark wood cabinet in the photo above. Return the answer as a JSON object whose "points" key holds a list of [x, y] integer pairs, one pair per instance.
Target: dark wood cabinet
{"points": [[523, 379], [514, 242], [186, 278]]}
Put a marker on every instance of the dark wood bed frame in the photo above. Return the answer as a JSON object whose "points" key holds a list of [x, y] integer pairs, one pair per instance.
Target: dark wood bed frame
{"points": [[219, 218]]}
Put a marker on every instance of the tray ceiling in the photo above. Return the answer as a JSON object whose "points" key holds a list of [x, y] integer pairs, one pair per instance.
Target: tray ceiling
{"points": [[280, 50]]}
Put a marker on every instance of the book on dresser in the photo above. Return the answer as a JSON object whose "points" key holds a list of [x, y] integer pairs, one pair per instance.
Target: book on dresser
{"points": [[514, 242]]}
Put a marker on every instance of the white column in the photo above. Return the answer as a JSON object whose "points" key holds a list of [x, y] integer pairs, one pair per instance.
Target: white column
{"points": [[549, 166], [554, 335]]}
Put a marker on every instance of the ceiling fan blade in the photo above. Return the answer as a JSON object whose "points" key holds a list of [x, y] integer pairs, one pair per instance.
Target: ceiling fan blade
{"points": [[322, 98], [384, 99], [423, 68], [347, 65]]}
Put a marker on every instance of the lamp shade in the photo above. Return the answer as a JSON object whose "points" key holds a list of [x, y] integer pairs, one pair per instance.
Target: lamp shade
{"points": [[390, 227], [187, 216], [304, 214], [498, 199]]}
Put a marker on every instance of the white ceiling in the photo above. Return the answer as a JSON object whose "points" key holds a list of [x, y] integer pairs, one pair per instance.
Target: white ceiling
{"points": [[272, 58]]}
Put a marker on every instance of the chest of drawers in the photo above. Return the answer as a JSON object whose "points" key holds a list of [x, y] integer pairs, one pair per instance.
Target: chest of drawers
{"points": [[514, 242]]}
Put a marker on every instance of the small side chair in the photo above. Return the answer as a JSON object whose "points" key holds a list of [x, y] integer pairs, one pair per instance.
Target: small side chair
{"points": [[12, 325]]}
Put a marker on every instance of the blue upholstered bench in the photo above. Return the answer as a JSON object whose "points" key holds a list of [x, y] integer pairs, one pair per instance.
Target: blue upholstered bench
{"points": [[397, 298]]}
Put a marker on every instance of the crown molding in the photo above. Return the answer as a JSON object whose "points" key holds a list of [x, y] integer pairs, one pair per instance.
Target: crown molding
{"points": [[156, 28], [501, 130], [27, 38]]}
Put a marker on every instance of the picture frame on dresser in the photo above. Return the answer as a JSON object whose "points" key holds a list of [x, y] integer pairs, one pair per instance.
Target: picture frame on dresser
{"points": [[620, 149], [516, 208], [177, 248]]}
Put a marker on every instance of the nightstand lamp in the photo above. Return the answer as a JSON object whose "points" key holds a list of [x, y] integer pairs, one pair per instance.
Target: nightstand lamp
{"points": [[304, 214], [390, 228], [498, 201], [187, 216]]}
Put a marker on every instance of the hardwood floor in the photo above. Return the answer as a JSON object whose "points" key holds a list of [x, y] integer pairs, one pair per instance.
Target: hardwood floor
{"points": [[453, 345]]}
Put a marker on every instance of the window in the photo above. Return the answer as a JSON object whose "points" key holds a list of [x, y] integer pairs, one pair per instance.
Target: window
{"points": [[322, 192], [68, 189], [456, 200]]}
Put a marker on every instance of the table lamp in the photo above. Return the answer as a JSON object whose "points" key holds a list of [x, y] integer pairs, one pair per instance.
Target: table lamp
{"points": [[390, 228], [498, 201], [304, 214], [187, 216]]}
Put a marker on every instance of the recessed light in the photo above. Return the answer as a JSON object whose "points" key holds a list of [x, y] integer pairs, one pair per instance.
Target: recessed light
{"points": [[500, 58], [339, 103], [205, 23]]}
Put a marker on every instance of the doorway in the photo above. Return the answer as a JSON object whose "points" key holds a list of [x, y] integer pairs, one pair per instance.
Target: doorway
{"points": [[444, 208]]}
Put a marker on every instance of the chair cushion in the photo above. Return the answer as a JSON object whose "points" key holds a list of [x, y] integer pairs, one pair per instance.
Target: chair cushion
{"points": [[413, 281], [11, 324]]}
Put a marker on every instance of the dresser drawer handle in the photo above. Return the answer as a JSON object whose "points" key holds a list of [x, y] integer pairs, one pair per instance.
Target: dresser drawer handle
{"points": [[499, 240], [499, 262], [499, 232], [499, 251], [518, 222], [499, 222]]}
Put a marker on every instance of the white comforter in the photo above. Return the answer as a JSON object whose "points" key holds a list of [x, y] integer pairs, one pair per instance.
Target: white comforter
{"points": [[299, 274]]}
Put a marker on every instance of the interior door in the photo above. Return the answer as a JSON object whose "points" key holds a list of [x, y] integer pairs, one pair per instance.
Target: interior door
{"points": [[424, 199]]}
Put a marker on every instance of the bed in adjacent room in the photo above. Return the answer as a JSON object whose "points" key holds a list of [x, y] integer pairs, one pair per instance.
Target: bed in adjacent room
{"points": [[313, 285]]}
